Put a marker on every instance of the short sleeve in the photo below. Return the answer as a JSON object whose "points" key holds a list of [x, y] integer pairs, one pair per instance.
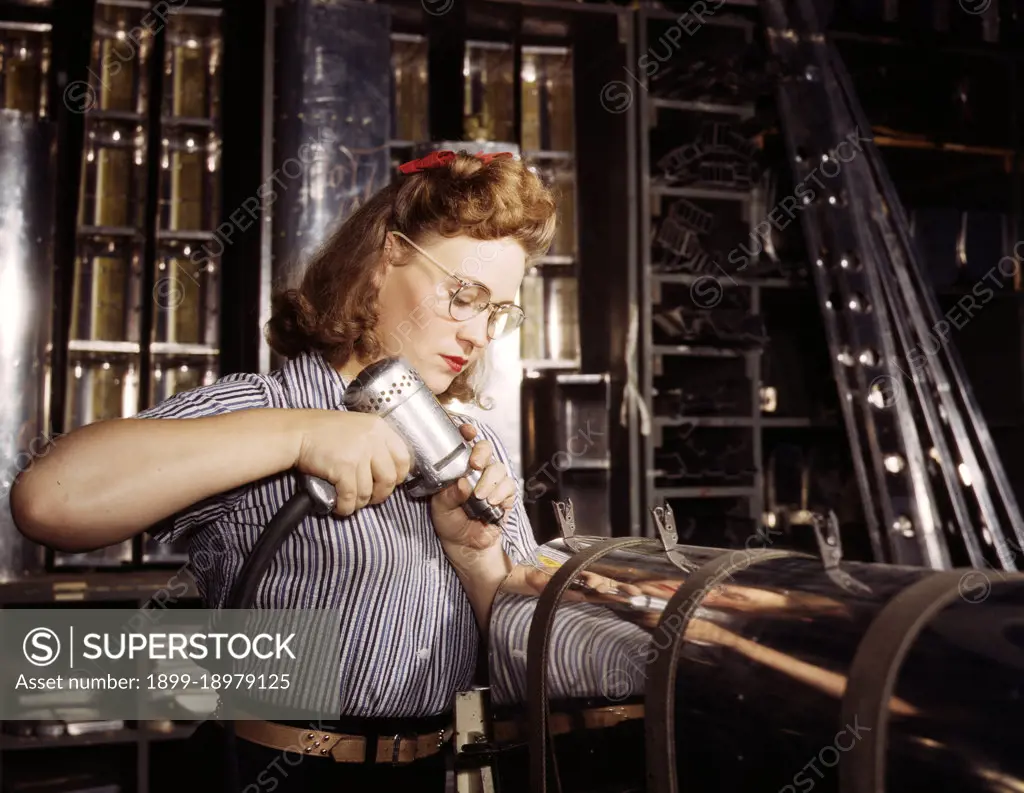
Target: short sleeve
{"points": [[230, 393], [518, 540]]}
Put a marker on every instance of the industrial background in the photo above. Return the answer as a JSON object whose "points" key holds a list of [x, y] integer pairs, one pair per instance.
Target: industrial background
{"points": [[689, 344]]}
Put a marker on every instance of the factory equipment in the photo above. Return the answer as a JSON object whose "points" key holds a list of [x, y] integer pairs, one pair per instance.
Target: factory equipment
{"points": [[932, 485], [639, 664]]}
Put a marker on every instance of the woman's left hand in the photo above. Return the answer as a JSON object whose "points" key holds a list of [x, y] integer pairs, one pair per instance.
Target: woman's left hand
{"points": [[453, 526]]}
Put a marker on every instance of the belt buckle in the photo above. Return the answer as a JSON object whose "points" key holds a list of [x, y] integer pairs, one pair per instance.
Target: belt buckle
{"points": [[396, 745]]}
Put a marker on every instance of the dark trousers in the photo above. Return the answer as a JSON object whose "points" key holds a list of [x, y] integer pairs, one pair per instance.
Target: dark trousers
{"points": [[265, 770]]}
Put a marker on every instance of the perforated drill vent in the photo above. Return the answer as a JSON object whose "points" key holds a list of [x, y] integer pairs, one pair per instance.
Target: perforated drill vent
{"points": [[384, 394]]}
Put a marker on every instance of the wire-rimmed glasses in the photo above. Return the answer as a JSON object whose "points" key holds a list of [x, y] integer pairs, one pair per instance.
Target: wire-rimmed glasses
{"points": [[470, 299]]}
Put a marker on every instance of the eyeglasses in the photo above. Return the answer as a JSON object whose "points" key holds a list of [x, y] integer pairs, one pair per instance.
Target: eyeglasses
{"points": [[471, 299]]}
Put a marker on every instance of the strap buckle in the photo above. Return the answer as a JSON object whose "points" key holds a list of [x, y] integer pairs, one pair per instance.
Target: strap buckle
{"points": [[396, 748], [665, 523], [566, 517], [827, 532]]}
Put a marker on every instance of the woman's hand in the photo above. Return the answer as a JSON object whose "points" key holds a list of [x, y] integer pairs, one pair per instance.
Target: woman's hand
{"points": [[358, 453], [472, 547], [454, 527]]}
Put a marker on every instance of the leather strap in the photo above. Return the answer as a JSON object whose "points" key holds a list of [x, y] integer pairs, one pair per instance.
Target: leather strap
{"points": [[660, 696], [873, 673], [537, 652], [561, 723], [395, 750]]}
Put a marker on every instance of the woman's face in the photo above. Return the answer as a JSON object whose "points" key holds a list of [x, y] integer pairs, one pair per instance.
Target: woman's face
{"points": [[415, 322]]}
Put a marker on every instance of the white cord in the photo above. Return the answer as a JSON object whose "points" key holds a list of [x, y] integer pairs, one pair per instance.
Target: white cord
{"points": [[631, 393]]}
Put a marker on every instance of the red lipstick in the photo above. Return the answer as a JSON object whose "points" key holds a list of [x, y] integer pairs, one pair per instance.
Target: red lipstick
{"points": [[455, 363]]}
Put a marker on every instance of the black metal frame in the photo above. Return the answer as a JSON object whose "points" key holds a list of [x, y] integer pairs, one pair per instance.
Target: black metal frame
{"points": [[246, 163], [72, 25]]}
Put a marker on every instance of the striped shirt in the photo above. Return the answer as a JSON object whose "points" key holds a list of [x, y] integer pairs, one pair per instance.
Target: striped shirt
{"points": [[593, 651], [409, 636]]}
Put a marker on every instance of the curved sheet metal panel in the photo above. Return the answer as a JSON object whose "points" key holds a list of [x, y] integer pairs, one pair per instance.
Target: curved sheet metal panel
{"points": [[762, 670], [26, 299], [601, 634]]}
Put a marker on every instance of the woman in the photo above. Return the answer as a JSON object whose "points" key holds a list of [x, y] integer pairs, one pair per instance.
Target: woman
{"points": [[429, 269]]}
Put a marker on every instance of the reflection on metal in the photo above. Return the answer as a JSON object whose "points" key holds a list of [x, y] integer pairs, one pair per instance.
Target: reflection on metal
{"points": [[185, 335], [665, 524], [332, 124], [173, 374], [190, 159], [187, 296], [487, 108], [566, 519], [192, 69], [830, 545], [550, 290], [24, 67], [107, 290], [551, 303], [410, 110], [547, 93], [531, 298], [101, 387], [561, 305], [114, 174], [189, 181], [559, 175], [187, 293], [122, 44], [757, 655], [26, 305], [106, 333]]}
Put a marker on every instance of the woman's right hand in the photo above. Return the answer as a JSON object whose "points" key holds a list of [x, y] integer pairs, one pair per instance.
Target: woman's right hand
{"points": [[358, 453]]}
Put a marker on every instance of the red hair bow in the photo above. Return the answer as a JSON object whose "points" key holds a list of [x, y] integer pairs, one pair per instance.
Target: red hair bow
{"points": [[438, 158]]}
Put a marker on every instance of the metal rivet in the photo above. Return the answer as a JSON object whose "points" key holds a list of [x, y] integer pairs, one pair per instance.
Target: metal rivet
{"points": [[309, 748], [326, 738], [323, 751], [310, 736], [316, 743]]}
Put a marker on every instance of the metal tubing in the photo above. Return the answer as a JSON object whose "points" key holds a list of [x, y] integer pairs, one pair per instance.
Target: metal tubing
{"points": [[762, 665]]}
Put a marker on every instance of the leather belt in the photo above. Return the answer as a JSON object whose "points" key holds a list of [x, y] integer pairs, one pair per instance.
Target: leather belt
{"points": [[342, 748], [561, 723]]}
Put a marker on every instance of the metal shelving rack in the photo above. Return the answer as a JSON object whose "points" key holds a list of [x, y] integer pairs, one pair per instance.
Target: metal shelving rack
{"points": [[143, 319], [652, 110]]}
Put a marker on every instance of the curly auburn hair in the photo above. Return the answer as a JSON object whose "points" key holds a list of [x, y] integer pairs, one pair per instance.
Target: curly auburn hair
{"points": [[335, 308]]}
